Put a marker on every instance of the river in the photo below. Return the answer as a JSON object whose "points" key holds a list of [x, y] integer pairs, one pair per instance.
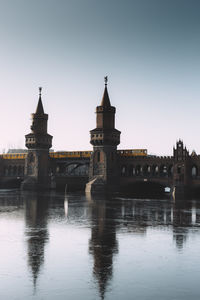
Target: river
{"points": [[56, 246]]}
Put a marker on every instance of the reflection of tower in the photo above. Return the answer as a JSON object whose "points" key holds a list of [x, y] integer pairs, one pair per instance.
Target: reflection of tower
{"points": [[104, 171], [182, 218], [38, 143], [36, 231], [103, 243]]}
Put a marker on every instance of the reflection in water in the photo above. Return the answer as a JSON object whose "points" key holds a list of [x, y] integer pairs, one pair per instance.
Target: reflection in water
{"points": [[66, 205], [36, 211], [182, 218], [103, 243], [106, 223], [10, 200]]}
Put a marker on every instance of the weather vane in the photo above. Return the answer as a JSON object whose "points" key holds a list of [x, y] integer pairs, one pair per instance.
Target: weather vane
{"points": [[106, 80], [40, 91]]}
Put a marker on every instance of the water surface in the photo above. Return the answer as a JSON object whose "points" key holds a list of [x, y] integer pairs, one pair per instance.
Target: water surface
{"points": [[56, 246]]}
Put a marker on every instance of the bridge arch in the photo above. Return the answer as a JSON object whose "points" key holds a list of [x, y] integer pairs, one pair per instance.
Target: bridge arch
{"points": [[73, 168], [76, 169]]}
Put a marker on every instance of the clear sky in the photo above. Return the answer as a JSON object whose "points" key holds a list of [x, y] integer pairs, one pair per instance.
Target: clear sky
{"points": [[150, 50]]}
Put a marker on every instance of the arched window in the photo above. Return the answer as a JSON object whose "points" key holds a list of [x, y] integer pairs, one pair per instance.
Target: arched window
{"points": [[123, 171], [155, 170], [98, 156], [163, 170], [9, 170], [146, 170], [194, 171], [19, 170], [130, 171], [138, 170], [31, 158], [179, 169], [133, 171], [170, 170], [15, 170]]}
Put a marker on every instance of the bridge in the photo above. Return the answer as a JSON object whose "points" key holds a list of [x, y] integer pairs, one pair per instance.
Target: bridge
{"points": [[138, 171], [105, 168]]}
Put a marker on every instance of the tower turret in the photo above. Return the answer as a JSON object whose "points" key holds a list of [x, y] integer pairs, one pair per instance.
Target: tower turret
{"points": [[104, 171], [38, 143], [105, 132], [39, 138], [181, 169]]}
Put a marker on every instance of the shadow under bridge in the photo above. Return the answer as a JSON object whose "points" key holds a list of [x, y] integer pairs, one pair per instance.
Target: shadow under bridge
{"points": [[72, 168], [71, 175], [143, 187]]}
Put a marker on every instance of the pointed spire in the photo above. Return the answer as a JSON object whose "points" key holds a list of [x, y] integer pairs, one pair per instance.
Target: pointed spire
{"points": [[105, 100], [40, 109]]}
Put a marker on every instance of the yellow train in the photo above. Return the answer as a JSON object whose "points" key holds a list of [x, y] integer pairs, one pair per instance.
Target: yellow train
{"points": [[77, 154], [70, 154], [14, 155], [87, 154], [133, 152]]}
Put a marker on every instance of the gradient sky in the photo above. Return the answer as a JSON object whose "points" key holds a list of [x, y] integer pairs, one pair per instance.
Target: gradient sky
{"points": [[150, 50]]}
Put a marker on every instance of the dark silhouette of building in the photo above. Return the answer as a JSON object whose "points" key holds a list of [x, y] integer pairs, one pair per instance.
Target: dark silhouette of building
{"points": [[103, 169], [38, 143]]}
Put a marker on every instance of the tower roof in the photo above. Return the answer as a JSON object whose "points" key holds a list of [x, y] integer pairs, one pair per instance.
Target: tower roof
{"points": [[40, 109], [105, 100]]}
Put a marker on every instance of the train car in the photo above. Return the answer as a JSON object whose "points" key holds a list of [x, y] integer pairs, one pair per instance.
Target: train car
{"points": [[14, 155], [77, 154], [132, 152], [70, 154]]}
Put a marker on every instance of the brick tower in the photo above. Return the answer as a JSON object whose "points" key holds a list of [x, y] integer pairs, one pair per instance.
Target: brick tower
{"points": [[181, 173], [104, 171], [38, 143]]}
